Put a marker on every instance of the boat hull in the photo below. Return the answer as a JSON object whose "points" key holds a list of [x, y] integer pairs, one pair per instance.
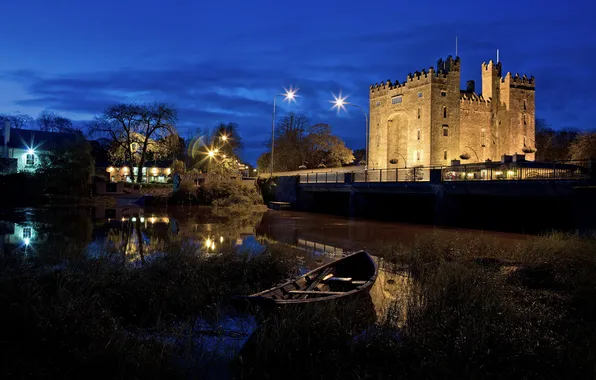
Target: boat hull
{"points": [[347, 278]]}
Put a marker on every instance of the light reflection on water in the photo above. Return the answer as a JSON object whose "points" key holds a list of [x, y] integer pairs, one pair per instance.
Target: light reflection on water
{"points": [[51, 236]]}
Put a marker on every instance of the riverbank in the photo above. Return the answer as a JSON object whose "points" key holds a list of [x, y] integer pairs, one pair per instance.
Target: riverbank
{"points": [[467, 308]]}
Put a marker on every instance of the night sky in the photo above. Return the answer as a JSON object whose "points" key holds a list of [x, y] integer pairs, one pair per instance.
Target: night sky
{"points": [[222, 61]]}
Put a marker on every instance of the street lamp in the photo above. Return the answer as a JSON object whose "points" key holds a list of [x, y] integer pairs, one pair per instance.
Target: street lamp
{"points": [[289, 95], [340, 103]]}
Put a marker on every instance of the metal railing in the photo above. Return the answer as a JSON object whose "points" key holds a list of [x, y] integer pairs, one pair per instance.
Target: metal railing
{"points": [[415, 174], [488, 171], [328, 177], [520, 171]]}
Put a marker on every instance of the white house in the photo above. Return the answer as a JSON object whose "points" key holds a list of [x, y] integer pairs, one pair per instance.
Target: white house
{"points": [[28, 146]]}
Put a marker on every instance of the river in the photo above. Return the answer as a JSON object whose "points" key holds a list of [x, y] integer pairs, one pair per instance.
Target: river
{"points": [[50, 236]]}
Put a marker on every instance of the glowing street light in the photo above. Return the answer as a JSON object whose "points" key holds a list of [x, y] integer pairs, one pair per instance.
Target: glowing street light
{"points": [[30, 151], [211, 153], [290, 96], [340, 103], [224, 138]]}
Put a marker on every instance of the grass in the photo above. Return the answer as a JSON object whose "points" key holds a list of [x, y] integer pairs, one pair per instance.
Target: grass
{"points": [[472, 310], [81, 320], [468, 308]]}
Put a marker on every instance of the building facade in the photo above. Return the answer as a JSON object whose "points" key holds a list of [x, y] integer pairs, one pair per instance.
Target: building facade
{"points": [[27, 147], [428, 120]]}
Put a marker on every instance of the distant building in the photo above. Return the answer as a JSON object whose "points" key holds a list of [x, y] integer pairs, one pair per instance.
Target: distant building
{"points": [[429, 120], [153, 171], [23, 149]]}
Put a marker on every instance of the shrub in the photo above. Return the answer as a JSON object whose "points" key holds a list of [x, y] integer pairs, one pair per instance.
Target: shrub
{"points": [[227, 193]]}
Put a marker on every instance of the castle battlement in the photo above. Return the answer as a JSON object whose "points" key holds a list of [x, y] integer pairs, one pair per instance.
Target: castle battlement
{"points": [[517, 80], [420, 77], [473, 98], [410, 119]]}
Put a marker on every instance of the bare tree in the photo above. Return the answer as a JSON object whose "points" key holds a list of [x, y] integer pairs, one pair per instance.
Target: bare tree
{"points": [[17, 121], [156, 121], [52, 122], [120, 124]]}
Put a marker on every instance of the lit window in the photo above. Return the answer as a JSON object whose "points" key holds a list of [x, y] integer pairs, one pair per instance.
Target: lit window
{"points": [[444, 112], [444, 154], [30, 160], [27, 233], [482, 132], [419, 134], [420, 94], [396, 99], [443, 93], [418, 113], [445, 130]]}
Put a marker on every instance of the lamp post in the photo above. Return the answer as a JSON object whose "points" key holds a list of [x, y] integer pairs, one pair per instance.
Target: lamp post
{"points": [[290, 96], [339, 102]]}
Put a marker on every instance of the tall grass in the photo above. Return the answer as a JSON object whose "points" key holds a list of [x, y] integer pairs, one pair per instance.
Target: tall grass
{"points": [[474, 310], [84, 319]]}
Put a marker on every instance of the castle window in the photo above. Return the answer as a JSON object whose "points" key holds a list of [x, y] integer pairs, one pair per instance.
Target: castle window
{"points": [[525, 119], [418, 154], [418, 113], [27, 233], [420, 94], [482, 132], [419, 134], [444, 112], [443, 93], [525, 104], [444, 154], [445, 130], [30, 160], [378, 103], [396, 99]]}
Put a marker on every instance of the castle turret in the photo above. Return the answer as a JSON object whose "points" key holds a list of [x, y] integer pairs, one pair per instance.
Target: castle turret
{"points": [[491, 77]]}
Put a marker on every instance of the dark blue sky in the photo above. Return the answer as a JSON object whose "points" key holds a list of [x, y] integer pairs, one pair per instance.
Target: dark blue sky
{"points": [[224, 60]]}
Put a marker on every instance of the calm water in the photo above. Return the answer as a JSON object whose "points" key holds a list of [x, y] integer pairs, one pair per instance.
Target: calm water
{"points": [[51, 236]]}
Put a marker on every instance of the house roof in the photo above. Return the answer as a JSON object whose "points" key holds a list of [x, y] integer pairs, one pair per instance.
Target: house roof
{"points": [[34, 139]]}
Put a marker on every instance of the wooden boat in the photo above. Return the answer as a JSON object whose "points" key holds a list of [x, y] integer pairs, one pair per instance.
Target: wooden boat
{"points": [[349, 276]]}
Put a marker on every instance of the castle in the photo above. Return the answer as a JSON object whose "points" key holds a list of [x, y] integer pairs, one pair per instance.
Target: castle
{"points": [[429, 120]]}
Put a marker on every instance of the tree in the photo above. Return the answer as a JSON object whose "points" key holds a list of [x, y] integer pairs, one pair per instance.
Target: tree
{"points": [[553, 145], [52, 122], [299, 144], [326, 149], [156, 121], [138, 132], [360, 156], [119, 124], [17, 121], [68, 169], [584, 147], [264, 162], [226, 138]]}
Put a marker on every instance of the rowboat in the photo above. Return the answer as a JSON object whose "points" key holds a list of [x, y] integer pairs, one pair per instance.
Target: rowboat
{"points": [[349, 276]]}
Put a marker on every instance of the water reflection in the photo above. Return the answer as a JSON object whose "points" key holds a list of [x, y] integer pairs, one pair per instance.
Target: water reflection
{"points": [[139, 235]]}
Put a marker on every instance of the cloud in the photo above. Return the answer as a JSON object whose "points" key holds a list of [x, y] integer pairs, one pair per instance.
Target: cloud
{"points": [[209, 91]]}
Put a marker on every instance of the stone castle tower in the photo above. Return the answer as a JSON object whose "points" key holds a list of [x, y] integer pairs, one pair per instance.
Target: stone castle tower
{"points": [[429, 120]]}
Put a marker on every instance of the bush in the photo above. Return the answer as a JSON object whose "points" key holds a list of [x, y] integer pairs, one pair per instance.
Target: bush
{"points": [[227, 193]]}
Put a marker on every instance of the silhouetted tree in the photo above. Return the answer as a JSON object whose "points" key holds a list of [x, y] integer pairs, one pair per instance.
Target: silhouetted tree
{"points": [[52, 122], [553, 145], [584, 146], [17, 121]]}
